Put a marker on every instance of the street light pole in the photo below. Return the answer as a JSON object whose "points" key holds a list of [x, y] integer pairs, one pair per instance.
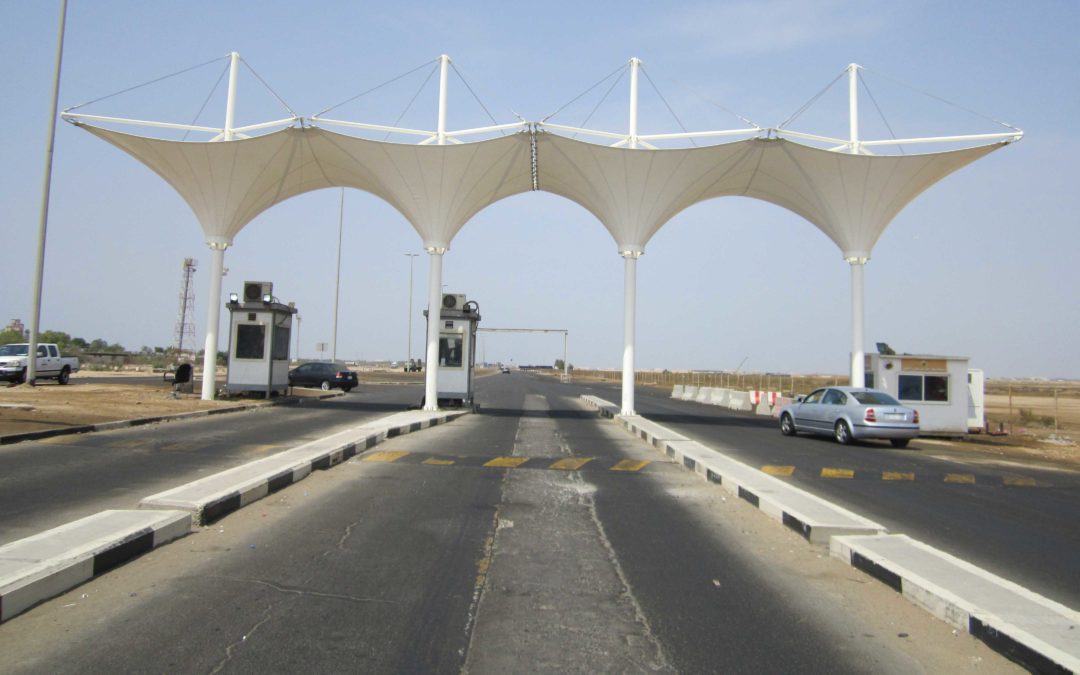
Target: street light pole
{"points": [[408, 337], [337, 283]]}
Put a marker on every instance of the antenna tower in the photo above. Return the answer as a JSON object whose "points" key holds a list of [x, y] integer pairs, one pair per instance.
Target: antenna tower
{"points": [[185, 325]]}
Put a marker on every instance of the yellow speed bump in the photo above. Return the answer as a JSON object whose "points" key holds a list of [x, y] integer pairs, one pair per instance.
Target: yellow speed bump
{"points": [[384, 456], [506, 462], [571, 463], [837, 473], [631, 465], [1021, 481], [432, 461]]}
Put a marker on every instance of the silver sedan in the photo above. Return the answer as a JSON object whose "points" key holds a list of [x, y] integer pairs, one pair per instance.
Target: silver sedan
{"points": [[849, 414]]}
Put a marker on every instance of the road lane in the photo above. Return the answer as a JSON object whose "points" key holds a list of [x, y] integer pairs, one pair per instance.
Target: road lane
{"points": [[53, 481], [1017, 521]]}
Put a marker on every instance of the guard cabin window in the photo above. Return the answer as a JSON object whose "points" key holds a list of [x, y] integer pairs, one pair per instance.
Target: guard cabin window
{"points": [[250, 341], [450, 348], [933, 388], [281, 343]]}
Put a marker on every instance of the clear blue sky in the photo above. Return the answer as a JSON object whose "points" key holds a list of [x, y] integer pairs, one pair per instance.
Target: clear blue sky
{"points": [[982, 265]]}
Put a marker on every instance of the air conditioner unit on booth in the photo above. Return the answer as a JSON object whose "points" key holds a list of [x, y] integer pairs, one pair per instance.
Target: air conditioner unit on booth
{"points": [[254, 291], [453, 301]]}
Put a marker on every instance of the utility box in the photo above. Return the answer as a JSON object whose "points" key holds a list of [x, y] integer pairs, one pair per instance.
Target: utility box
{"points": [[458, 320], [260, 330], [939, 387]]}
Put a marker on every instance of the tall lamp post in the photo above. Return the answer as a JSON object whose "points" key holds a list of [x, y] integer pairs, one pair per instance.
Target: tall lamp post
{"points": [[298, 337], [408, 336]]}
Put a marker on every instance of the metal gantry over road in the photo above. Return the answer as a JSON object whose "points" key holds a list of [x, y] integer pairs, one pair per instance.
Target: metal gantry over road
{"points": [[840, 185]]}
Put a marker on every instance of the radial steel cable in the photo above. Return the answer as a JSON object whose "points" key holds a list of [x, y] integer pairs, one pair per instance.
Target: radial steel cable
{"points": [[942, 100], [475, 97], [409, 105], [207, 101], [145, 84], [812, 101], [390, 81], [880, 112], [617, 71], [268, 87], [667, 105]]}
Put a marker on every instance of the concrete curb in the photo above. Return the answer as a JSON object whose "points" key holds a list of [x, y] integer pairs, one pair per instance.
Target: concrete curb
{"points": [[139, 421], [1032, 630], [1023, 626], [211, 498], [45, 565], [814, 518]]}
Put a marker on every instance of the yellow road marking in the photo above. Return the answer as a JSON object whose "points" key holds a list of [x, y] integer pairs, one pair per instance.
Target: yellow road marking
{"points": [[507, 462], [965, 478], [385, 456], [571, 463], [1022, 481], [837, 473], [438, 462], [260, 448], [778, 470], [631, 465], [897, 475], [62, 439]]}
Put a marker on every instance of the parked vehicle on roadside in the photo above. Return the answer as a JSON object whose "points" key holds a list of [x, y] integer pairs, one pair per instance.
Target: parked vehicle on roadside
{"points": [[50, 364], [850, 414], [323, 374]]}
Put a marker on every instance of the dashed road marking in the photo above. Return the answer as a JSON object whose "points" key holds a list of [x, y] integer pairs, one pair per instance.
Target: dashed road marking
{"points": [[778, 470], [837, 473], [962, 478], [1021, 481], [897, 475], [434, 461], [506, 462], [571, 463], [384, 456], [631, 465]]}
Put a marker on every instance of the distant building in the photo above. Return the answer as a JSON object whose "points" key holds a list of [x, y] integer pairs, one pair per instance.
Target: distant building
{"points": [[16, 326]]}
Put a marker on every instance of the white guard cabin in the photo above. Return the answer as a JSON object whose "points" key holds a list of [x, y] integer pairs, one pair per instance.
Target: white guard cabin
{"points": [[260, 329], [948, 396]]}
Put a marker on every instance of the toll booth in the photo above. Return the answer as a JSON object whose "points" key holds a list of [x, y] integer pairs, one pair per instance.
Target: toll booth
{"points": [[260, 330], [942, 388], [458, 320]]}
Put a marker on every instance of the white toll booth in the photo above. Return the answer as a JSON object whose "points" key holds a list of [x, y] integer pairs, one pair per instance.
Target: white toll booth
{"points": [[260, 330], [946, 393], [457, 349]]}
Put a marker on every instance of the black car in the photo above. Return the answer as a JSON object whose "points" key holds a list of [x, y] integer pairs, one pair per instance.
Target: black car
{"points": [[323, 375]]}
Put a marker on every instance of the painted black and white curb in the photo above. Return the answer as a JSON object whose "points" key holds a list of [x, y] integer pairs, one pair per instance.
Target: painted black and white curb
{"points": [[45, 565]]}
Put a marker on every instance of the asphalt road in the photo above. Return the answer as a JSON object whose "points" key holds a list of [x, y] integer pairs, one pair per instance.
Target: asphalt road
{"points": [[533, 537], [1017, 521], [56, 480]]}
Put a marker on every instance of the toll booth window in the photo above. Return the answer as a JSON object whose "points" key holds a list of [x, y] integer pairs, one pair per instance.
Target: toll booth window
{"points": [[250, 341], [281, 343], [924, 388], [450, 348]]}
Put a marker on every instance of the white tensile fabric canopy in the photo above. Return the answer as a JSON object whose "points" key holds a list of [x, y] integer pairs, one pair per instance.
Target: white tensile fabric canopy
{"points": [[632, 192]]}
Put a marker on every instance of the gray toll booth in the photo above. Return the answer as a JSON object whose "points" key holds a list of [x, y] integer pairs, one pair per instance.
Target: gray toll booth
{"points": [[260, 330], [457, 349]]}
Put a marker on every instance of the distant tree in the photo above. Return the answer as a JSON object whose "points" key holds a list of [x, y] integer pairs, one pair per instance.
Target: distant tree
{"points": [[9, 336], [79, 343], [559, 364], [62, 340], [98, 345]]}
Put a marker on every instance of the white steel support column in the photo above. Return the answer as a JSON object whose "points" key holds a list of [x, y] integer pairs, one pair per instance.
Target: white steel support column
{"points": [[230, 102], [635, 65], [337, 282], [213, 319], [431, 366], [444, 69], [565, 363], [629, 306], [853, 107], [858, 357]]}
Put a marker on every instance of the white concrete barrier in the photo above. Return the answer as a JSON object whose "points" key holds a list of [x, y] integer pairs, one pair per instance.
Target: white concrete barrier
{"points": [[718, 396], [689, 392], [677, 391], [703, 394], [740, 400]]}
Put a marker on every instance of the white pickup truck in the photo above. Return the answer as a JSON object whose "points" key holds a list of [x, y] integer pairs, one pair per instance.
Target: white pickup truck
{"points": [[50, 365]]}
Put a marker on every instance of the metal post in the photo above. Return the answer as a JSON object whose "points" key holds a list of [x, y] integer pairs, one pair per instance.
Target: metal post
{"points": [[230, 101], [858, 358], [444, 65], [565, 363], [853, 107], [635, 65], [39, 266], [213, 319], [298, 337], [337, 283], [431, 373], [411, 257], [629, 304]]}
